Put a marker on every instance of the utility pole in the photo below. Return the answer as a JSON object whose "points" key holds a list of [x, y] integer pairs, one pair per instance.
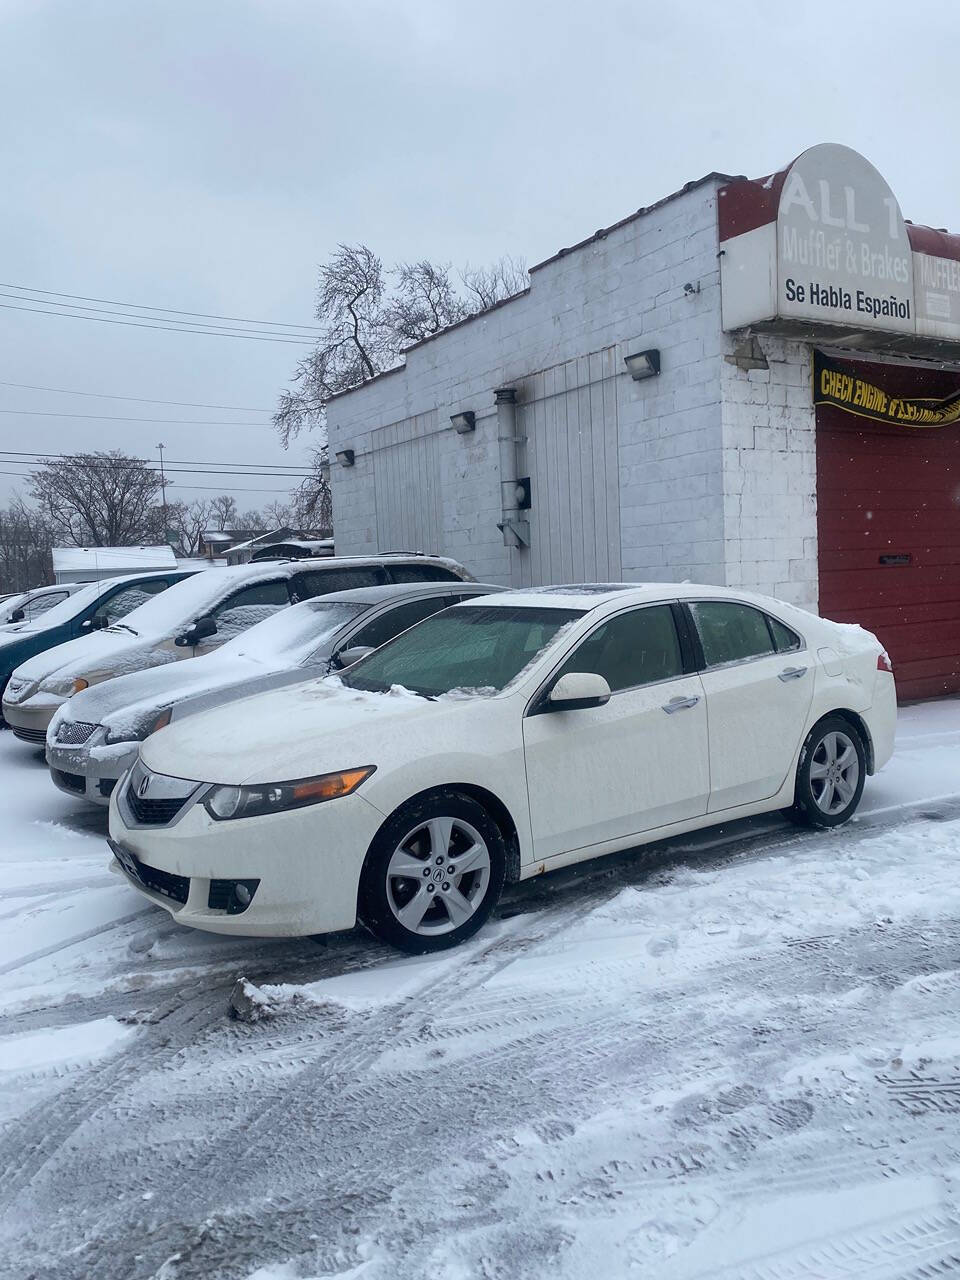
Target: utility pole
{"points": [[163, 493]]}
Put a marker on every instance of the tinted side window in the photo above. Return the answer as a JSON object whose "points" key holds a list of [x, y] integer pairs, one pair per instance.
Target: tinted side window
{"points": [[785, 639], [247, 607], [422, 573], [34, 608], [632, 649], [130, 598], [730, 632], [388, 625], [318, 582]]}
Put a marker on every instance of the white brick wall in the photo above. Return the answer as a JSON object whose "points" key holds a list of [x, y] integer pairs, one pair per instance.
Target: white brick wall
{"points": [[626, 291], [770, 474], [716, 465]]}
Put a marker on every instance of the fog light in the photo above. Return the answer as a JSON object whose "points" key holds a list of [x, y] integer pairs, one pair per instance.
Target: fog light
{"points": [[231, 896]]}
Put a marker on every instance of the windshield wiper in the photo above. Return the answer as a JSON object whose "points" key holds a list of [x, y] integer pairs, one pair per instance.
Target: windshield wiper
{"points": [[122, 626]]}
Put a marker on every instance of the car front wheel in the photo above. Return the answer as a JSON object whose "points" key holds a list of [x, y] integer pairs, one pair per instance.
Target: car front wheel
{"points": [[830, 774], [433, 874]]}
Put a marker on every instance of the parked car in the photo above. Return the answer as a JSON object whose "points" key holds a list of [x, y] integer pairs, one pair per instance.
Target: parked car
{"points": [[500, 739], [95, 605], [199, 616], [93, 738], [24, 606]]}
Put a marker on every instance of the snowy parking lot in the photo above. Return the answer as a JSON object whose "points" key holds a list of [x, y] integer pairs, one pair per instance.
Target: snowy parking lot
{"points": [[736, 1054]]}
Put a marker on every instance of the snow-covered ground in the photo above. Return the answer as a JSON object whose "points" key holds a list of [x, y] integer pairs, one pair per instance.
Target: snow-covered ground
{"points": [[733, 1055]]}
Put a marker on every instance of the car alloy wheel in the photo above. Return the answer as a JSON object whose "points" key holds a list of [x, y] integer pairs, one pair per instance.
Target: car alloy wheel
{"points": [[437, 876], [834, 772], [830, 774], [434, 872]]}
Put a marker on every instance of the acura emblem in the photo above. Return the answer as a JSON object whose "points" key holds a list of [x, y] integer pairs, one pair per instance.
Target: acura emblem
{"points": [[142, 788]]}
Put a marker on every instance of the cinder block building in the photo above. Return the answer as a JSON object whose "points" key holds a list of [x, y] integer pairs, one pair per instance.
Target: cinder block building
{"points": [[752, 382]]}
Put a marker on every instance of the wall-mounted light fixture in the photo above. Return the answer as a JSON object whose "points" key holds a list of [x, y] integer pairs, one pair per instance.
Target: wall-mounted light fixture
{"points": [[346, 457], [523, 493], [643, 364], [464, 422]]}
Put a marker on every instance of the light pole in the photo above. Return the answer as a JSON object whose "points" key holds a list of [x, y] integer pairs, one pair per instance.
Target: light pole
{"points": [[163, 493]]}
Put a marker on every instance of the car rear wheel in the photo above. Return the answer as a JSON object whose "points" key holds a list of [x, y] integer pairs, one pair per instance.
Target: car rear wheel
{"points": [[830, 774], [433, 874]]}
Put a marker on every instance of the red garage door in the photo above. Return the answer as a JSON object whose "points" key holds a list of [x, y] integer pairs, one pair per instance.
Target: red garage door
{"points": [[888, 519]]}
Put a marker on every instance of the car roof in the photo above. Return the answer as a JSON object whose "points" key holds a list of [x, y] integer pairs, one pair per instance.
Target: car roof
{"points": [[393, 591], [592, 595]]}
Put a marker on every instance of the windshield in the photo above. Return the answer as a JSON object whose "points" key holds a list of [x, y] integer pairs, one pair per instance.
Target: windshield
{"points": [[296, 633], [469, 648], [68, 609]]}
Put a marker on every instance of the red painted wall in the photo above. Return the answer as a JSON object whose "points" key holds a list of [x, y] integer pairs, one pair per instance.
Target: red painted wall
{"points": [[895, 491]]}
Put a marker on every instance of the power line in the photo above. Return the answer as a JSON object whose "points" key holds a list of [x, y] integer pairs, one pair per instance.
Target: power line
{"points": [[104, 395], [208, 333], [133, 315], [187, 462], [142, 306], [113, 417], [176, 471], [188, 488]]}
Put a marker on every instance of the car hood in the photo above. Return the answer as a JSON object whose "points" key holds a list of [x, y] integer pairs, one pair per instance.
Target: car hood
{"points": [[316, 727], [128, 698], [101, 655]]}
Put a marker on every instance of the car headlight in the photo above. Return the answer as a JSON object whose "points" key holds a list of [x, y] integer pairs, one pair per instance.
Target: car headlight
{"points": [[141, 730], [223, 803], [17, 689], [64, 686]]}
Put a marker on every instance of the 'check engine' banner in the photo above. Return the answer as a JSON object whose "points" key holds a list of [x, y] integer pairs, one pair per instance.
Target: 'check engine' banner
{"points": [[833, 383]]}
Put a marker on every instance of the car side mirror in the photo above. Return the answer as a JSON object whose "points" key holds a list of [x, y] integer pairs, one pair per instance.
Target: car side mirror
{"points": [[347, 657], [18, 615], [98, 622], [199, 630], [577, 690]]}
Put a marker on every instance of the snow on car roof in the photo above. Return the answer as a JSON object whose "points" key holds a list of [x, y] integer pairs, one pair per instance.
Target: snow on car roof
{"points": [[185, 600], [97, 558], [590, 595], [400, 590]]}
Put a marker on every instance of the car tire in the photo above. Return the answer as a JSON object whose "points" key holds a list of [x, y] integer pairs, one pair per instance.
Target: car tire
{"points": [[416, 892], [830, 774]]}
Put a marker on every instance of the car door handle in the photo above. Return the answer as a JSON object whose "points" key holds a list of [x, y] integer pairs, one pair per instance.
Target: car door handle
{"points": [[792, 673], [679, 704]]}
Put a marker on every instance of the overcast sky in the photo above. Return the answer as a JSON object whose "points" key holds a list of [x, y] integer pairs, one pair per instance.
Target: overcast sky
{"points": [[205, 155]]}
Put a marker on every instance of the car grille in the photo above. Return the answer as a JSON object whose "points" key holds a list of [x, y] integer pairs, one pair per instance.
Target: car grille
{"points": [[162, 799], [36, 736], [162, 882], [72, 781], [74, 732], [153, 812]]}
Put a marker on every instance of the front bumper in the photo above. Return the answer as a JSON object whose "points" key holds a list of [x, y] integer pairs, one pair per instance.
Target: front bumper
{"points": [[306, 864], [82, 771], [30, 720]]}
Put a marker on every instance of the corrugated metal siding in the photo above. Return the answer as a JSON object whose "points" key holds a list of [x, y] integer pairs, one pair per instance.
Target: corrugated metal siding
{"points": [[569, 415], [406, 473]]}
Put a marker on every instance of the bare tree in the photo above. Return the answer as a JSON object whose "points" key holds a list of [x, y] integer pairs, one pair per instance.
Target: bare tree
{"points": [[223, 512], [278, 515], [99, 499], [312, 501], [424, 302], [369, 316], [188, 521], [486, 286], [25, 543]]}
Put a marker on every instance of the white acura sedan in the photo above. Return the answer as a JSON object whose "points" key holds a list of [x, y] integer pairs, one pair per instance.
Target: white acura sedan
{"points": [[495, 741]]}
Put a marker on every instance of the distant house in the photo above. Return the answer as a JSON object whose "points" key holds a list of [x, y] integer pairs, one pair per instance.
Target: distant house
{"points": [[90, 564], [294, 548], [243, 552]]}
